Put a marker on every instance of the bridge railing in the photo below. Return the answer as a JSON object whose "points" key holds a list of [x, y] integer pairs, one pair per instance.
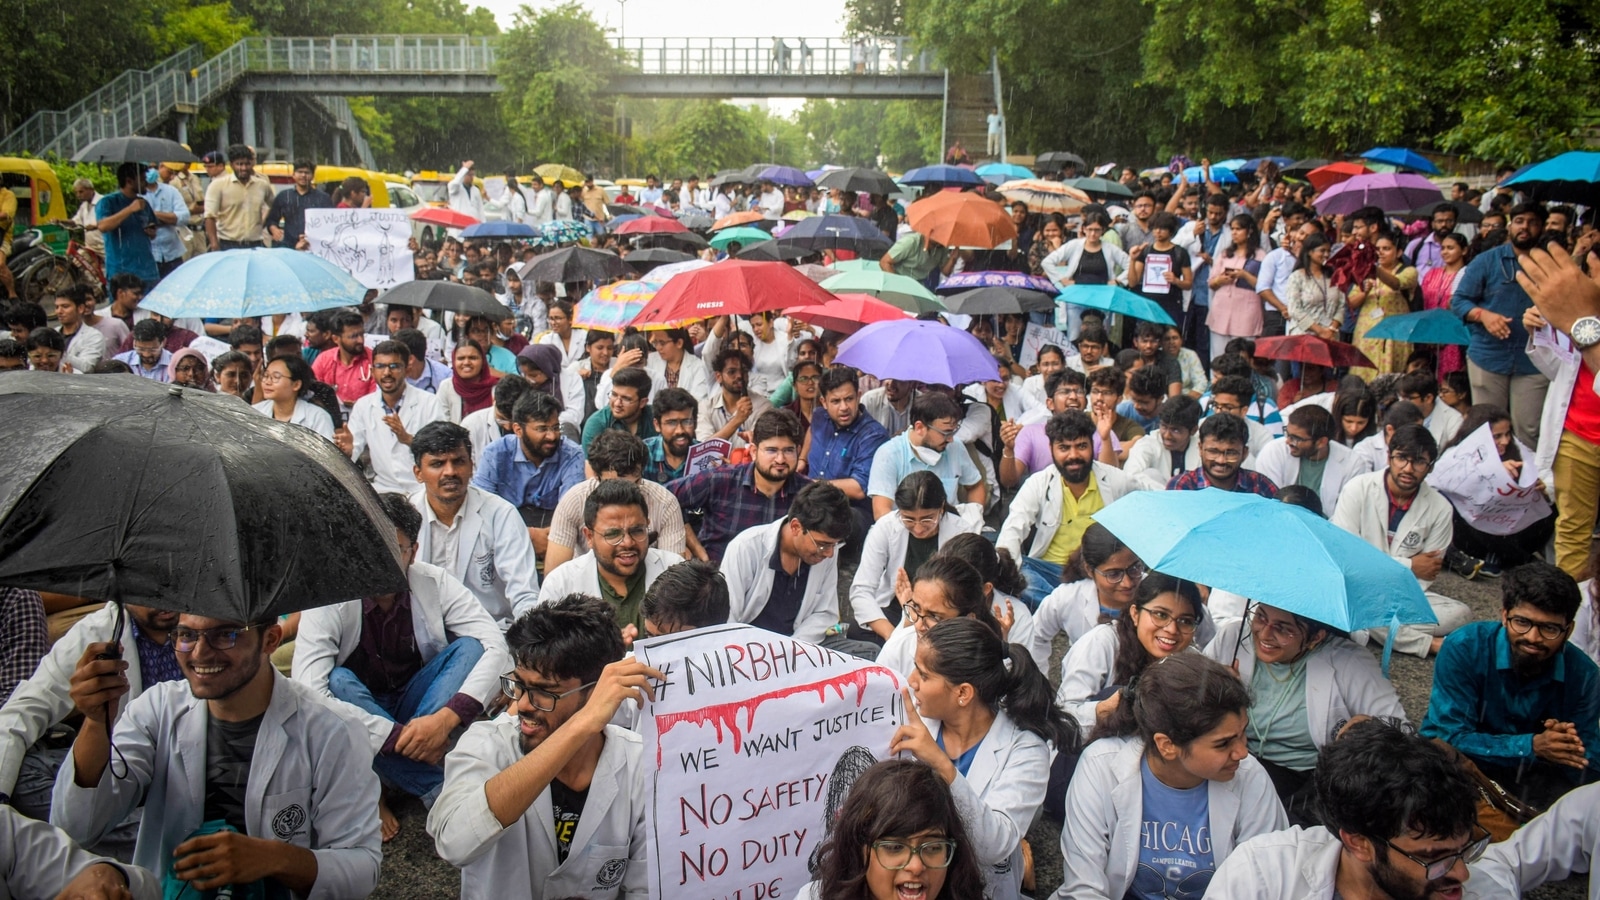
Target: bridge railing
{"points": [[410, 54], [43, 127], [774, 56]]}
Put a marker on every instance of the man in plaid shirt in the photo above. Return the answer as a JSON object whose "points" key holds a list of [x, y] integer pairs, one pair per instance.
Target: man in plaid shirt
{"points": [[733, 498], [1223, 437]]}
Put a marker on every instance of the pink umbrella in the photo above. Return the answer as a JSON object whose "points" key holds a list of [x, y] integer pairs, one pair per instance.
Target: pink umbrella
{"points": [[1391, 192]]}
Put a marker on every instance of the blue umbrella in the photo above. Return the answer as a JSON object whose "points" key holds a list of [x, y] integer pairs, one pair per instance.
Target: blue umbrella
{"points": [[1572, 177], [785, 175], [1115, 299], [1220, 175], [851, 233], [623, 220], [1271, 552], [499, 230], [1433, 326], [1250, 167], [1232, 165], [942, 174], [1401, 158], [1000, 173], [236, 284]]}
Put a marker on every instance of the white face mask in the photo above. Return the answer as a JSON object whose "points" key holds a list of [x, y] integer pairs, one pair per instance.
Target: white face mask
{"points": [[928, 455]]}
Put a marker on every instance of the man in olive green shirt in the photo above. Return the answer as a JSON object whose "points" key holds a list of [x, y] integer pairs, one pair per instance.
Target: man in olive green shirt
{"points": [[918, 257]]}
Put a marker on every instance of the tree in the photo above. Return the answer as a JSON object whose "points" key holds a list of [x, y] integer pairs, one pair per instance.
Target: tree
{"points": [[909, 136], [555, 67], [57, 52], [842, 132]]}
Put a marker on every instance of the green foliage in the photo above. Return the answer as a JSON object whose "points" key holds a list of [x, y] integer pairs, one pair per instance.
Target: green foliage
{"points": [[881, 17], [315, 18], [68, 172], [554, 68], [909, 136], [214, 26], [56, 52]]}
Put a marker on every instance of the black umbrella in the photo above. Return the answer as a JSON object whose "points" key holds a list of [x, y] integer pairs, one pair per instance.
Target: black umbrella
{"points": [[851, 233], [694, 220], [644, 260], [447, 295], [995, 301], [862, 181], [135, 149], [159, 495], [686, 238], [1056, 160], [1100, 188], [1301, 167], [575, 264], [774, 251], [1466, 213]]}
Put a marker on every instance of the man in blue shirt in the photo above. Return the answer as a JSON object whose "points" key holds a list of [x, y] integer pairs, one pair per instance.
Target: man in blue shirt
{"points": [[1492, 303], [843, 443], [533, 466], [1516, 696], [930, 443], [124, 217]]}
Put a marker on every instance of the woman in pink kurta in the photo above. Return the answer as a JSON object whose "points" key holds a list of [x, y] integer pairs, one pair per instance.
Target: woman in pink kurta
{"points": [[1235, 305], [1437, 287]]}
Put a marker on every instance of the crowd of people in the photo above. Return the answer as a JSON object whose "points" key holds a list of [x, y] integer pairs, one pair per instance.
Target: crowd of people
{"points": [[547, 497]]}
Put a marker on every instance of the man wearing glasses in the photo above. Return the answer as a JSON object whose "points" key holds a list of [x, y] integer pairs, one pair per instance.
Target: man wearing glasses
{"points": [[732, 499], [1396, 511], [534, 465], [929, 444], [1224, 446], [1517, 696], [552, 798], [1400, 823], [383, 422], [1306, 455], [256, 778]]}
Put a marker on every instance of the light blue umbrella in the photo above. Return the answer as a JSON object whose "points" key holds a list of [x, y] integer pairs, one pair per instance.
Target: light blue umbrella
{"points": [[499, 230], [1232, 165], [1432, 326], [236, 284], [1000, 173], [1115, 299], [1572, 177], [1219, 174], [1401, 158], [1270, 552]]}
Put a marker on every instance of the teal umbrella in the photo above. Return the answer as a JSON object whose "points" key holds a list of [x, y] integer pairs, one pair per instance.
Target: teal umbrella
{"points": [[856, 265], [238, 284], [741, 235], [895, 290], [1432, 326], [1115, 299]]}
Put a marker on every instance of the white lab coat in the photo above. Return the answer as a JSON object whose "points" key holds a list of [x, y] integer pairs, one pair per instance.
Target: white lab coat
{"points": [[1342, 680], [442, 609], [1585, 629], [1562, 370], [576, 348], [87, 349], [694, 376], [43, 699], [899, 651], [1293, 864], [1105, 815], [1374, 450], [609, 851], [581, 574], [1073, 608], [393, 467], [481, 426], [882, 555], [744, 565], [1038, 506], [37, 861], [1148, 460], [1086, 670], [464, 196], [495, 557], [1554, 846], [306, 414], [1443, 423], [1278, 464], [311, 784]]}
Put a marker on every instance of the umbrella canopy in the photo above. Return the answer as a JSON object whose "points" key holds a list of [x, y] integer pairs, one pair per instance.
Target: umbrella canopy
{"points": [[1388, 191], [135, 149], [1115, 299], [1432, 326], [158, 495], [672, 270], [1331, 174], [995, 301], [848, 313], [966, 281], [743, 236], [1250, 166], [645, 260], [447, 295], [1056, 160], [1572, 177], [575, 264], [795, 215], [651, 225], [1271, 552], [237, 284], [857, 265], [563, 231], [815, 272], [694, 220], [999, 173], [918, 350], [611, 307], [851, 233], [941, 174], [896, 290], [1100, 188], [787, 176], [499, 230], [440, 215], [730, 287], [774, 251], [1302, 167], [1308, 348], [1220, 174], [962, 220], [682, 239], [1045, 196], [1401, 158], [625, 209], [748, 217], [567, 175]]}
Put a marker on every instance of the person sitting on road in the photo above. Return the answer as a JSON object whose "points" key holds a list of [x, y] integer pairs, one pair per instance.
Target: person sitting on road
{"points": [[1097, 586], [615, 455], [899, 544], [1307, 455], [1174, 449], [1224, 447]]}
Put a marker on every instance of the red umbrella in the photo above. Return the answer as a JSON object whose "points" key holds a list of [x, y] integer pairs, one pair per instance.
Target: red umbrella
{"points": [[848, 313], [962, 220], [443, 215], [732, 287], [651, 225], [1333, 173], [1308, 348]]}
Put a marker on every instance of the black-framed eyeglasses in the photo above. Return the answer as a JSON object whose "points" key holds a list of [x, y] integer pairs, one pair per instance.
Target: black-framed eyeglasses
{"points": [[1520, 625], [614, 536], [1439, 868], [916, 613], [542, 700], [185, 640], [1410, 462], [1162, 618], [896, 855], [1117, 576]]}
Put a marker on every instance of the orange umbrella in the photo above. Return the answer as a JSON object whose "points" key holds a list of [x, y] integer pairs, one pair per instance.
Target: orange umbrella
{"points": [[738, 218], [961, 220], [1333, 173]]}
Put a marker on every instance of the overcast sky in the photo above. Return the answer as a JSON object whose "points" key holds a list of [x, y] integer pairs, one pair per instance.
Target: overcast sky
{"points": [[705, 18]]}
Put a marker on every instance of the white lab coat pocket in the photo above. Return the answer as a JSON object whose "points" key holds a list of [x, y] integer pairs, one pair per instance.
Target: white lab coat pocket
{"points": [[287, 817], [597, 870]]}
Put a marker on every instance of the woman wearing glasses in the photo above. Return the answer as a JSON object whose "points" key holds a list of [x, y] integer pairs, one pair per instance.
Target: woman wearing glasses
{"points": [[1305, 679], [285, 379], [898, 835], [899, 543], [942, 588], [1167, 790], [986, 728], [1097, 586]]}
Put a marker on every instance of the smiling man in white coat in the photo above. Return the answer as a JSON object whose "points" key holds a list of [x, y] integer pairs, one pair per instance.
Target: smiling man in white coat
{"points": [[1307, 455], [256, 778], [549, 802], [474, 535], [1175, 451]]}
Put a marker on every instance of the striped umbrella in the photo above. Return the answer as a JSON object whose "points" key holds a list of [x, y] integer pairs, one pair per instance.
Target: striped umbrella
{"points": [[1045, 196], [610, 307]]}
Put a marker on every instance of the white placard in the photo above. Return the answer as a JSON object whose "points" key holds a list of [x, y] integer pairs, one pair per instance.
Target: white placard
{"points": [[751, 745], [373, 245], [1156, 267], [1036, 336], [1477, 483], [209, 346]]}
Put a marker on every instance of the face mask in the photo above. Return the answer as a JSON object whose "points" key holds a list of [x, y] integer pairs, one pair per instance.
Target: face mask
{"points": [[928, 455]]}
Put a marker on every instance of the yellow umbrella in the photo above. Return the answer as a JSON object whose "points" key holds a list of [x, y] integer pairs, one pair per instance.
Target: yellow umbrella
{"points": [[631, 182], [796, 215], [567, 175]]}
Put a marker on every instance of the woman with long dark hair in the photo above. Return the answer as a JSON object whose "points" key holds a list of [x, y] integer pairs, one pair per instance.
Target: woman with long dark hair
{"points": [[1097, 584], [942, 588], [1235, 304], [1003, 582], [986, 727], [898, 544], [1316, 307], [1168, 790], [1498, 552]]}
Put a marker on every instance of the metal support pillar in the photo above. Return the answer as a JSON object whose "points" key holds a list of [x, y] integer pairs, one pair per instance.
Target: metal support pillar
{"points": [[247, 118]]}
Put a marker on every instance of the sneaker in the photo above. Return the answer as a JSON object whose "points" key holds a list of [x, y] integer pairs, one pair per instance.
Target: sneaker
{"points": [[1491, 567], [1460, 563]]}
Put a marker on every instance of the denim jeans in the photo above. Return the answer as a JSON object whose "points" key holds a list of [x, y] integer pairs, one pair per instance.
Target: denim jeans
{"points": [[1043, 577], [427, 692]]}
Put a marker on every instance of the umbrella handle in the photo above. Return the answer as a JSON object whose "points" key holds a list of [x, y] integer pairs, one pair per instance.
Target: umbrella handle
{"points": [[1239, 642], [111, 744]]}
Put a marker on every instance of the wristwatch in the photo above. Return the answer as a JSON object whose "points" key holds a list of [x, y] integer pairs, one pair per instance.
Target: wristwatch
{"points": [[1586, 332]]}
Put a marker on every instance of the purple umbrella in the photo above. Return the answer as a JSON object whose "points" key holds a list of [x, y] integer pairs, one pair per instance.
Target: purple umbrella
{"points": [[1390, 191], [785, 175], [967, 281], [916, 350]]}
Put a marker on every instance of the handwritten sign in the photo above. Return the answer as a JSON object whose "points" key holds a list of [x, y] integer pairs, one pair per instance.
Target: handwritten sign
{"points": [[371, 244], [1481, 488], [752, 743], [1035, 337], [209, 347]]}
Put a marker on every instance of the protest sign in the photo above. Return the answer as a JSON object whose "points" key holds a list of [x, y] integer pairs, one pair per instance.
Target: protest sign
{"points": [[209, 347], [706, 455], [1035, 337], [1479, 486], [751, 745], [373, 245]]}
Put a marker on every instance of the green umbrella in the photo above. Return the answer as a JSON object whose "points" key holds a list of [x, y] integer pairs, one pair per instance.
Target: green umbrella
{"points": [[1100, 188], [896, 290], [857, 265], [742, 235]]}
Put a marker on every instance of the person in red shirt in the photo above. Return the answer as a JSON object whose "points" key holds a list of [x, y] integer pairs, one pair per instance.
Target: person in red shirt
{"points": [[350, 369]]}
